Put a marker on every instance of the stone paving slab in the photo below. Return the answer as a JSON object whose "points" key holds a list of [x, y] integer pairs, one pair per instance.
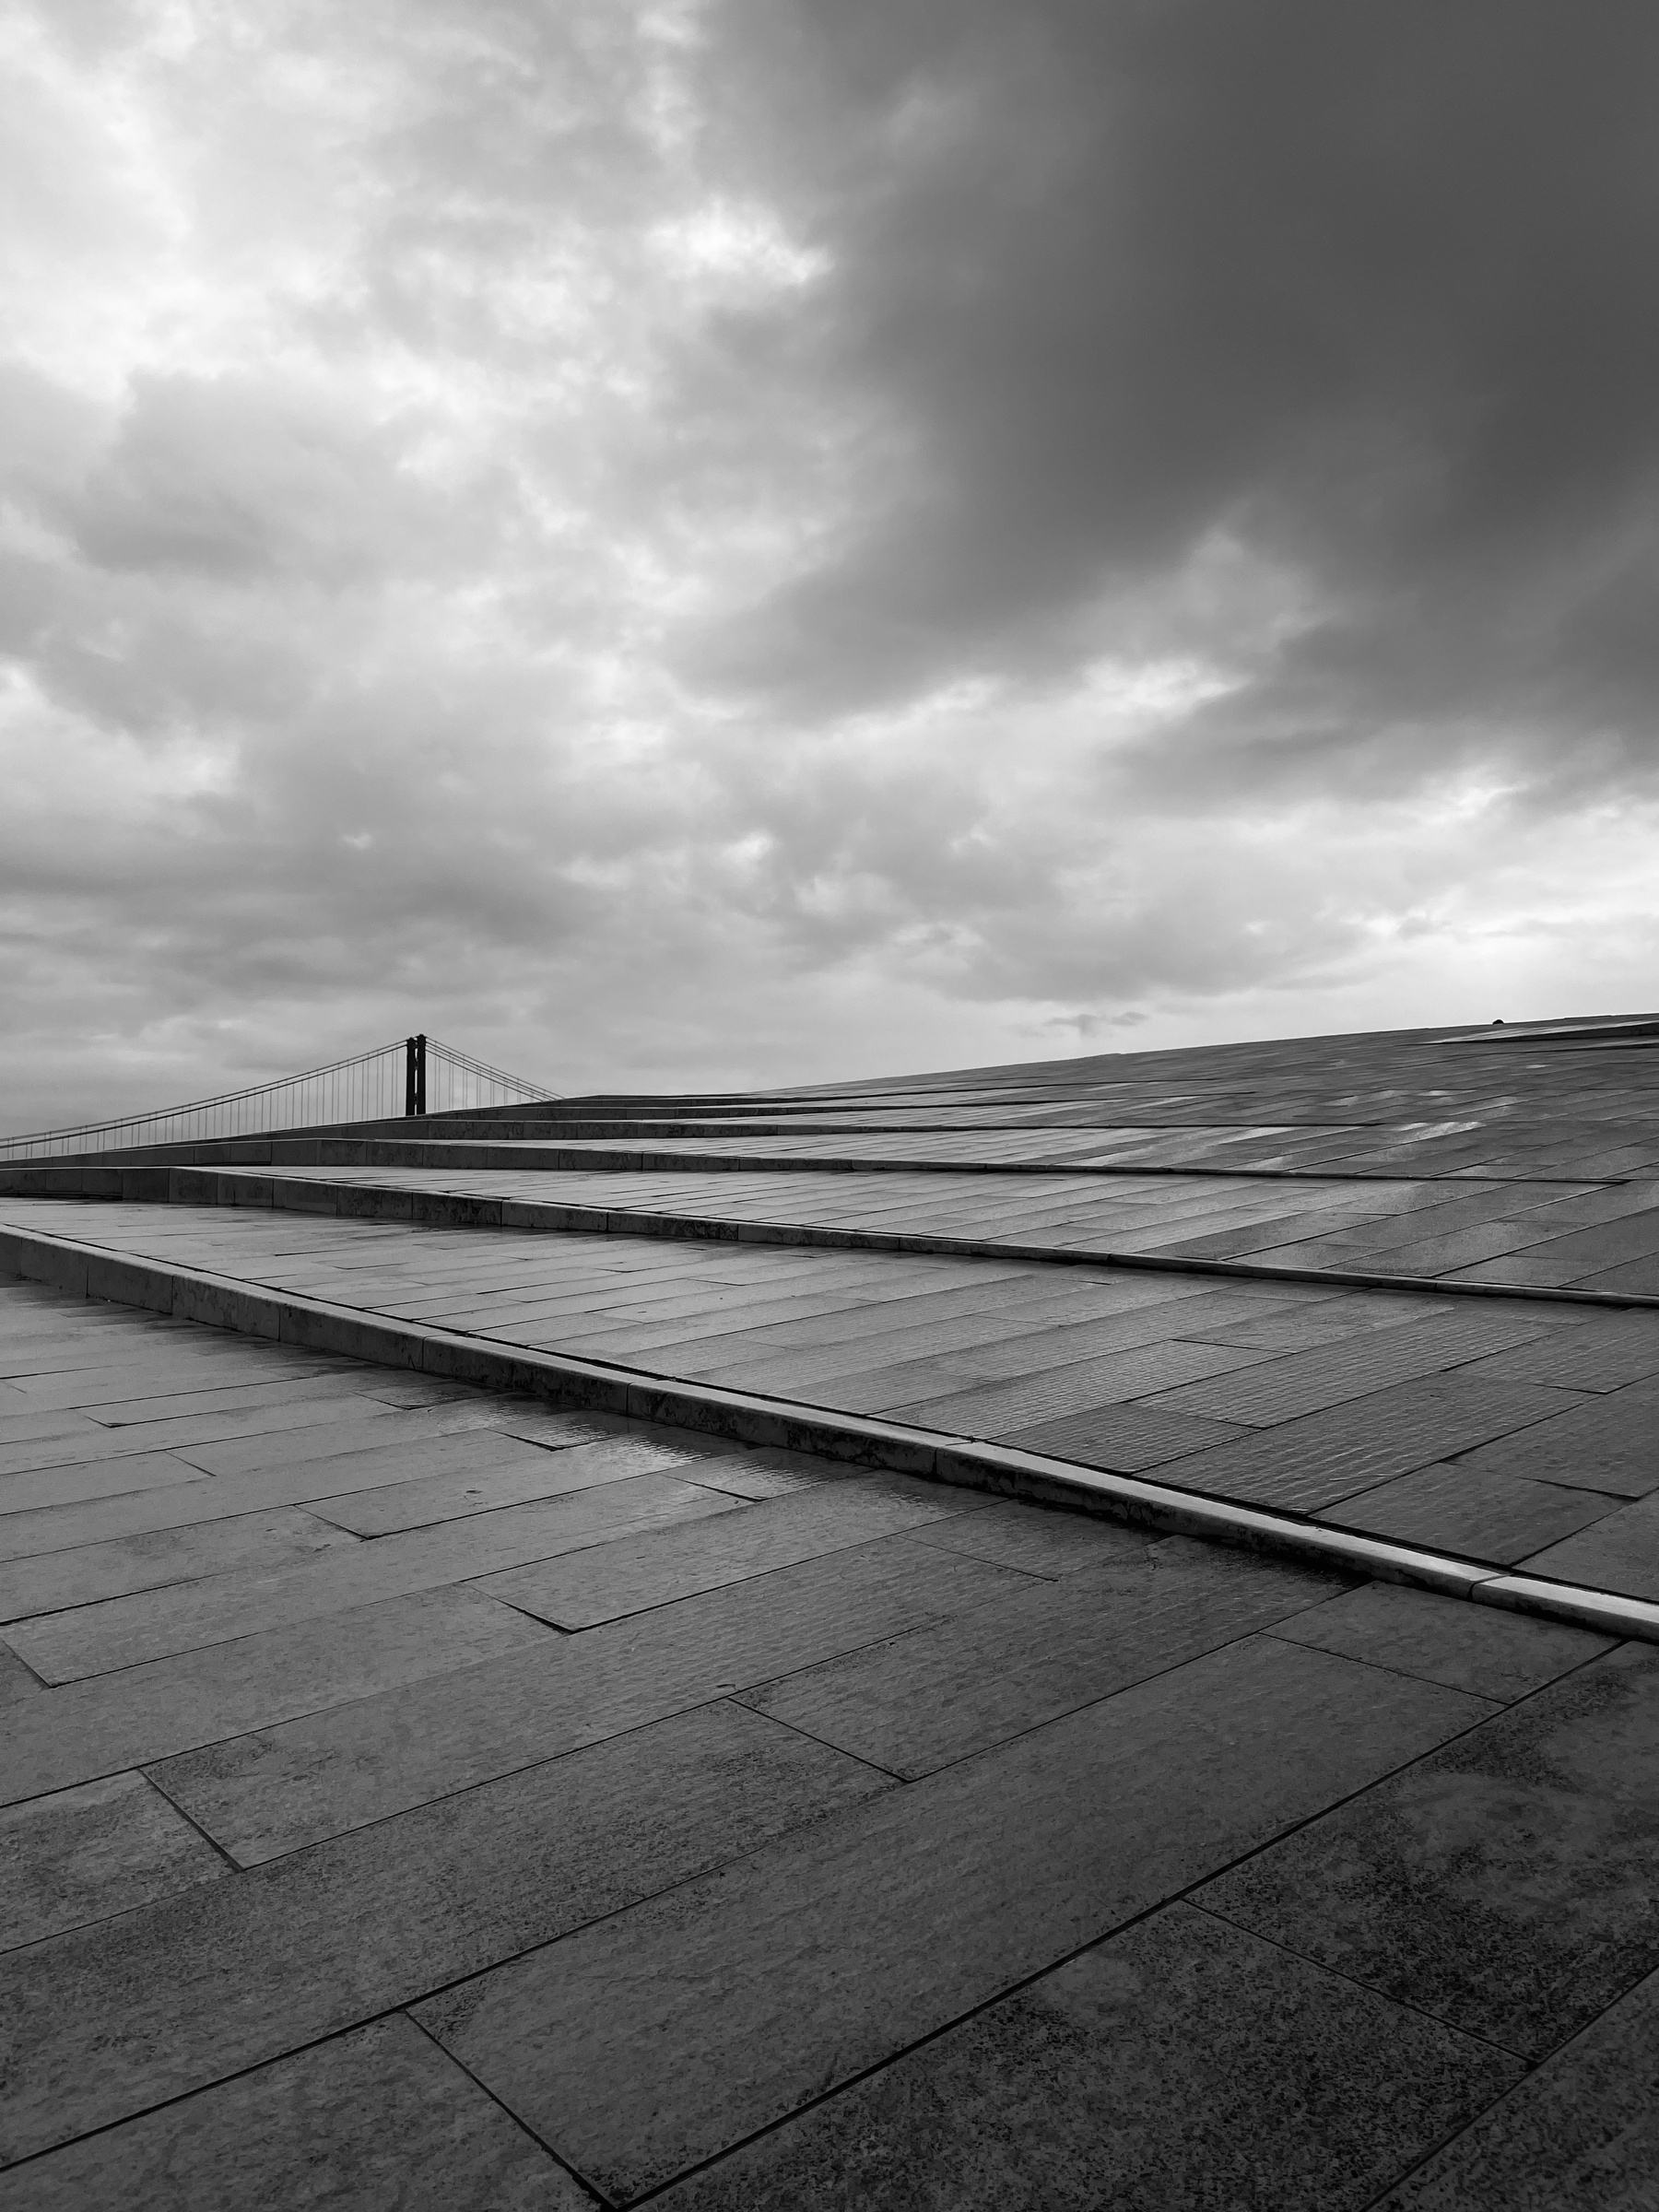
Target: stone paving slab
{"points": [[472, 1470], [1337, 1418], [112, 2019], [125, 1632], [529, 1475], [1297, 2082], [1619, 1552], [1348, 1450], [1470, 1510], [59, 1486], [1126, 1438], [1266, 1392], [155, 1711], [632, 1574], [290, 1784], [275, 2137], [1579, 2135], [700, 1951], [1431, 1230], [1607, 1357], [87, 1854], [668, 2034], [1610, 1445], [88, 1574], [1473, 1648], [943, 1692], [1505, 1884], [188, 1434], [355, 1437]]}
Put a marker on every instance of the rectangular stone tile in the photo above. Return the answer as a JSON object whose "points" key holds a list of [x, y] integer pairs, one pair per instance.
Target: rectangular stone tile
{"points": [[114, 2020], [1528, 1269], [343, 1489], [93, 1573], [20, 1319], [114, 1394], [1473, 1648], [1603, 1353], [1619, 1552], [150, 1713], [1468, 1510], [1006, 1341], [378, 2119], [1443, 1210], [73, 1484], [1261, 1232], [1579, 2135], [533, 1474], [1638, 1276], [1180, 2062], [1607, 1244], [1049, 1393], [1047, 1541], [87, 1854], [1503, 1884], [127, 1630], [1343, 1450], [872, 1389], [174, 1409], [82, 1362], [360, 1433], [1304, 1383], [675, 2030], [187, 1431], [287, 1786], [634, 1572], [754, 1474], [18, 1685], [31, 1425], [467, 1456], [1610, 1444], [964, 1343], [940, 1693], [1008, 1289], [1125, 1439], [1343, 1314], [1443, 1255], [428, 1394], [76, 1448]]}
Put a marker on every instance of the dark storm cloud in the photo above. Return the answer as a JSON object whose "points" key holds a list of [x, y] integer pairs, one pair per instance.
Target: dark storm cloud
{"points": [[1369, 287]]}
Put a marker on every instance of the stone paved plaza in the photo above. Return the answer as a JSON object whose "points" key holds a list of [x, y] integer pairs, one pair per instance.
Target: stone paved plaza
{"points": [[429, 1781]]}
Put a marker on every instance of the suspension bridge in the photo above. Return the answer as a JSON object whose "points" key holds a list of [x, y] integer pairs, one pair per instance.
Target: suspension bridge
{"points": [[413, 1077]]}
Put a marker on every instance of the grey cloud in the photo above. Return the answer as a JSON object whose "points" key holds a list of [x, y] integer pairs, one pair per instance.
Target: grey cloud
{"points": [[450, 584], [1367, 284], [234, 480]]}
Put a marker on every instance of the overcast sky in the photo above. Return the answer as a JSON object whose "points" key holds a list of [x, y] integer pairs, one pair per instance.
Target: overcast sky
{"points": [[708, 544]]}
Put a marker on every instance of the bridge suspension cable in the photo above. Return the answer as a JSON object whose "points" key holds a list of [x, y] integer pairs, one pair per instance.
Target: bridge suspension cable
{"points": [[414, 1075]]}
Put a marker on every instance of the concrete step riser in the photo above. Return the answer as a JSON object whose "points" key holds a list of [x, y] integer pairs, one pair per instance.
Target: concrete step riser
{"points": [[445, 1209], [219, 1301]]}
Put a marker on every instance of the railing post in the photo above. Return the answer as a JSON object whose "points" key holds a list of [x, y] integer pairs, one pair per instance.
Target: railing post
{"points": [[420, 1074], [408, 1075]]}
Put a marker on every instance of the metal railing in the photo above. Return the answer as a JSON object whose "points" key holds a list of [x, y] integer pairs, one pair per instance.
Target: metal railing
{"points": [[415, 1076]]}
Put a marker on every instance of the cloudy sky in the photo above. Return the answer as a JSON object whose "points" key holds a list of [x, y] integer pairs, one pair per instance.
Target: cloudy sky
{"points": [[704, 542]]}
